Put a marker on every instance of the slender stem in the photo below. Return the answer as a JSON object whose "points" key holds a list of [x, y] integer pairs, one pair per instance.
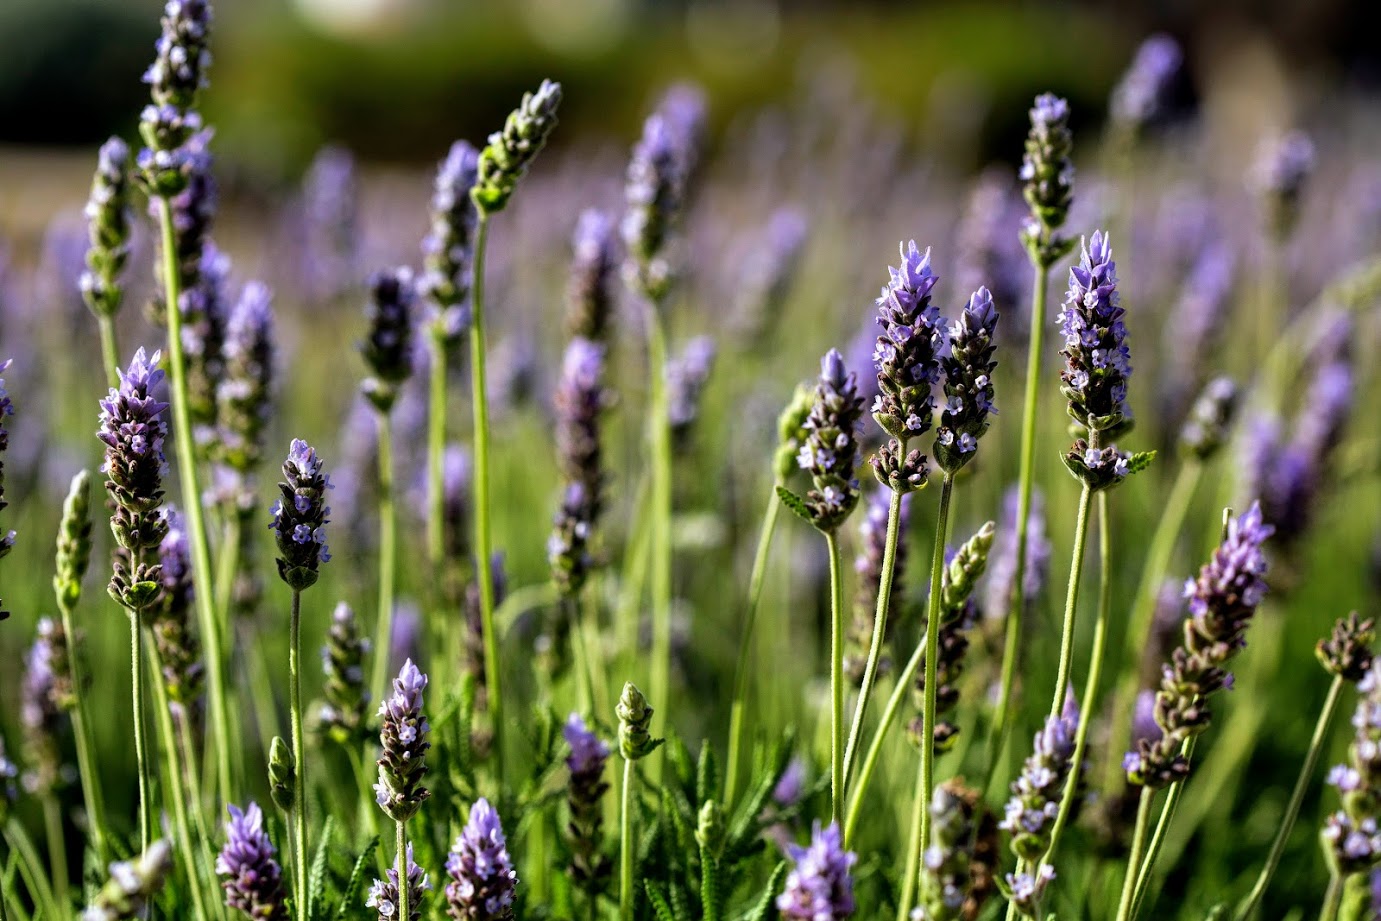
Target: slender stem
{"points": [[659, 439], [1332, 899], [580, 655], [186, 746], [889, 716], [1034, 356], [745, 647], [388, 557], [919, 832], [633, 574], [1143, 822], [31, 868], [836, 681], [57, 847], [436, 449], [402, 867], [884, 606], [177, 792], [626, 843], [1088, 703], [1143, 610], [1022, 867], [110, 352], [299, 755], [228, 564], [4, 916], [192, 509], [366, 814], [92, 796], [1306, 773], [1167, 815], [1076, 567], [141, 755], [483, 539]]}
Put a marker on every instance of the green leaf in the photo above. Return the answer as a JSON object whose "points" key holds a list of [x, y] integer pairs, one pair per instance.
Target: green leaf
{"points": [[706, 774], [316, 877], [1140, 461], [350, 895], [795, 503], [764, 903], [659, 903]]}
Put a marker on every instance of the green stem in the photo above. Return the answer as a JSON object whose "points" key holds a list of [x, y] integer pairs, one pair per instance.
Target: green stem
{"points": [[358, 761], [404, 913], [1022, 867], [884, 606], [1076, 568], [889, 716], [186, 745], [659, 438], [388, 558], [1167, 815], [228, 565], [436, 449], [1143, 822], [633, 575], [745, 647], [997, 738], [57, 847], [299, 755], [919, 832], [1333, 898], [1088, 704], [483, 538], [31, 868], [141, 755], [1143, 611], [177, 792], [1311, 760], [92, 796], [626, 844], [836, 681], [192, 508], [110, 352]]}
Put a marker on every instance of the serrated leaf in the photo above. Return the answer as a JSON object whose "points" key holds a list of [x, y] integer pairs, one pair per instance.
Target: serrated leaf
{"points": [[316, 877], [1140, 461], [706, 775], [765, 902], [659, 903], [795, 503], [350, 895]]}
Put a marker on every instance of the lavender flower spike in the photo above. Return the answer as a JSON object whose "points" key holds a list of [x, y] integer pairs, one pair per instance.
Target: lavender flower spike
{"points": [[300, 517], [968, 383], [1036, 793], [448, 247], [245, 391], [252, 878], [1140, 97], [580, 399], [9, 789], [1048, 179], [830, 451], [590, 284], [482, 878], [511, 151], [1278, 177], [175, 78], [108, 228], [403, 736], [178, 649], [687, 374], [585, 764], [388, 348], [132, 885], [1222, 600], [1352, 835], [819, 886], [1026, 890], [1097, 363], [133, 430], [383, 896], [343, 713], [654, 191]]}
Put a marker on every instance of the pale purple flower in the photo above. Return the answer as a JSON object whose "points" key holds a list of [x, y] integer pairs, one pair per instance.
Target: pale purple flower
{"points": [[819, 886], [1141, 96], [383, 895], [403, 733], [252, 878], [482, 878]]}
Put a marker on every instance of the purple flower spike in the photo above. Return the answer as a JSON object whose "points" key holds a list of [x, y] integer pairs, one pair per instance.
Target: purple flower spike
{"points": [[1047, 175], [1036, 793], [819, 886], [1282, 170], [403, 735], [580, 400], [253, 880], [1027, 890], [968, 382], [1097, 360], [383, 895], [448, 247], [654, 191], [300, 517], [830, 451], [482, 876], [590, 284], [1141, 95], [586, 763], [1351, 834]]}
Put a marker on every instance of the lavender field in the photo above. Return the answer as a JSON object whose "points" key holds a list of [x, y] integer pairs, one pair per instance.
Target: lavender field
{"points": [[727, 515]]}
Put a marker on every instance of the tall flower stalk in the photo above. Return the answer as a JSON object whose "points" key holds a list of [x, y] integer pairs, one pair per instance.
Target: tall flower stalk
{"points": [[388, 352], [403, 736], [108, 228], [907, 360], [635, 743], [133, 431], [299, 523], [502, 163], [1048, 176], [968, 369], [830, 454], [168, 127]]}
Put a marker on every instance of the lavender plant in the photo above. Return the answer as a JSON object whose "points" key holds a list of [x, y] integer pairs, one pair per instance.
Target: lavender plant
{"points": [[108, 223], [403, 736], [481, 878], [251, 876]]}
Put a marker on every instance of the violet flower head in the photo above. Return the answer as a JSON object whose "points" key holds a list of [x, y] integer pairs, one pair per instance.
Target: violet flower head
{"points": [[387, 349], [687, 375], [830, 451], [329, 224], [9, 787], [1097, 360], [482, 879], [133, 430], [300, 516], [1209, 422], [1346, 651], [968, 368], [383, 895], [820, 885], [907, 354], [1279, 175], [1047, 175], [1200, 315], [175, 78], [1142, 94], [1324, 415], [590, 282], [205, 311], [45, 692], [509, 153], [343, 715], [580, 399], [132, 884], [872, 533], [954, 877], [1221, 602], [654, 192], [251, 876], [584, 795], [1027, 890], [791, 786], [1030, 813], [1351, 836], [986, 253], [403, 735], [685, 110], [108, 229], [455, 501], [244, 395], [171, 620], [767, 278], [448, 248]]}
